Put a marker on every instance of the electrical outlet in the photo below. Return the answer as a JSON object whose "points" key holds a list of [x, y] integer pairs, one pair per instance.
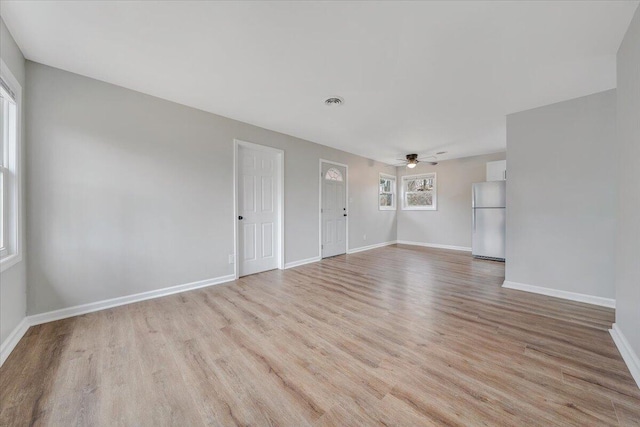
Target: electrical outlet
{"points": [[364, 237], [232, 259]]}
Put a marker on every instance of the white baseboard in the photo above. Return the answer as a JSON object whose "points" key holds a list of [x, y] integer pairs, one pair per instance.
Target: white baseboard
{"points": [[573, 296], [349, 251], [77, 310], [369, 247], [434, 245], [12, 340], [302, 262], [628, 355]]}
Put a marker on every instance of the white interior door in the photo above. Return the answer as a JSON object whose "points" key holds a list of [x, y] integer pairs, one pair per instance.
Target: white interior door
{"points": [[334, 210], [258, 210]]}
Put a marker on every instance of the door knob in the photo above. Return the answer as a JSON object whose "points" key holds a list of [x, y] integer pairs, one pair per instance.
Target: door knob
{"points": [[240, 217], [344, 214]]}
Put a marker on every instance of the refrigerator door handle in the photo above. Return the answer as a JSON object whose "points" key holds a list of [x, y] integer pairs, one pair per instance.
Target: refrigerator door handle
{"points": [[473, 220], [473, 196]]}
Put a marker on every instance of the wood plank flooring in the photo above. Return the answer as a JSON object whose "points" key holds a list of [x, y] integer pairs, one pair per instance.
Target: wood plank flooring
{"points": [[393, 336]]}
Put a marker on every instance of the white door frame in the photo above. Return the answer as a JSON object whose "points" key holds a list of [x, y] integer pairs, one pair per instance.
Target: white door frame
{"points": [[237, 143], [321, 178]]}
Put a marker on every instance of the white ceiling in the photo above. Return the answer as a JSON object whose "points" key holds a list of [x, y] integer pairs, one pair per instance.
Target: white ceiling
{"points": [[416, 77]]}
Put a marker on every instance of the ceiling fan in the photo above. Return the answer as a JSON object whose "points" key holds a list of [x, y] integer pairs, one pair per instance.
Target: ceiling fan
{"points": [[412, 160]]}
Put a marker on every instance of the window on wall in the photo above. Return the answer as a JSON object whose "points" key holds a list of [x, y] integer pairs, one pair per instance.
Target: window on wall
{"points": [[419, 192], [333, 174], [387, 193], [10, 93]]}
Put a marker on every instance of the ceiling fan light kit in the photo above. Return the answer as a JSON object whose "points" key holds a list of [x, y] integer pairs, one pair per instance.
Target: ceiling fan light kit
{"points": [[412, 161]]}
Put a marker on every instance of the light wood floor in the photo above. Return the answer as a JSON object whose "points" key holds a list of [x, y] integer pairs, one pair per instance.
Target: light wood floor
{"points": [[393, 336]]}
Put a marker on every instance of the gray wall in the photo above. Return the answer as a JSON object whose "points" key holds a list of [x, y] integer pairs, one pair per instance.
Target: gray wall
{"points": [[130, 193], [628, 236], [13, 282], [561, 195], [451, 223]]}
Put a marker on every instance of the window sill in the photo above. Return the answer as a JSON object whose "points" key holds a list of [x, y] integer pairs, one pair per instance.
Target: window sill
{"points": [[9, 261], [386, 208], [420, 209]]}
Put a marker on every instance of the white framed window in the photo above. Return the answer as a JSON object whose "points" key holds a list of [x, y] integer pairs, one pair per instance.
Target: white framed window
{"points": [[387, 193], [419, 192], [10, 111]]}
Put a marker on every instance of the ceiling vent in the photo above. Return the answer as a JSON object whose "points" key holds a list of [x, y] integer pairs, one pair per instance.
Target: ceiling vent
{"points": [[334, 101]]}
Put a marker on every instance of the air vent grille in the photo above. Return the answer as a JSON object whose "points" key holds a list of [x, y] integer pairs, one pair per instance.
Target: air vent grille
{"points": [[334, 101]]}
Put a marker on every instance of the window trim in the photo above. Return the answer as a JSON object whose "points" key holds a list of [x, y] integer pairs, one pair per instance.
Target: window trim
{"points": [[434, 206], [394, 192], [14, 255]]}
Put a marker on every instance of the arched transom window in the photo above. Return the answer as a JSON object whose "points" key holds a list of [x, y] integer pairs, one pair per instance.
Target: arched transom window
{"points": [[333, 174]]}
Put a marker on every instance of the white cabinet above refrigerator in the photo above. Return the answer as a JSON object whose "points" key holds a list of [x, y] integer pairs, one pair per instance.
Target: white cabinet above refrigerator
{"points": [[497, 171]]}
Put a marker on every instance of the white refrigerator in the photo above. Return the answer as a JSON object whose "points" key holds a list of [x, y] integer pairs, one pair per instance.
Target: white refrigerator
{"points": [[488, 207]]}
